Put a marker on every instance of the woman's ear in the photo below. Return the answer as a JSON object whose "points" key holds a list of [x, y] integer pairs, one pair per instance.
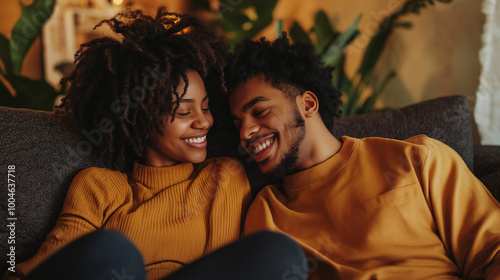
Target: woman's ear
{"points": [[309, 102]]}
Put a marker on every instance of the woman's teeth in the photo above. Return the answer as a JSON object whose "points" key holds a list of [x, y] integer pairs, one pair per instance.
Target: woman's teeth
{"points": [[196, 139], [261, 147]]}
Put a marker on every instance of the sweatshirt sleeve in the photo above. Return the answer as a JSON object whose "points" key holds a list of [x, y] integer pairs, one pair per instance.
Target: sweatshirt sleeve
{"points": [[86, 206], [467, 216]]}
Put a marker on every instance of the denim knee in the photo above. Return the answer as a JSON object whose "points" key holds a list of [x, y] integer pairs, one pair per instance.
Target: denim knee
{"points": [[281, 252], [98, 255]]}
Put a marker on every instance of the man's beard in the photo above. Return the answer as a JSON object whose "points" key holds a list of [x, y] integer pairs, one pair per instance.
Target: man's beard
{"points": [[287, 164]]}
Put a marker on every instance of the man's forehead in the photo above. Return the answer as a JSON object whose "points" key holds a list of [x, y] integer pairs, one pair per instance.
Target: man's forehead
{"points": [[254, 87], [245, 100]]}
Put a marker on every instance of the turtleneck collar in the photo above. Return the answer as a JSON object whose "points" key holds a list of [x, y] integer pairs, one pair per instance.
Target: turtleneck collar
{"points": [[160, 177]]}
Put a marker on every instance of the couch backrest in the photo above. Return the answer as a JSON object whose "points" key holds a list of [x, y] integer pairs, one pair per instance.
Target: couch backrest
{"points": [[447, 119], [47, 152]]}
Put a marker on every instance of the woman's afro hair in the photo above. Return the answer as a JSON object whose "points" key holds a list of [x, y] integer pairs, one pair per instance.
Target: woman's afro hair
{"points": [[129, 80]]}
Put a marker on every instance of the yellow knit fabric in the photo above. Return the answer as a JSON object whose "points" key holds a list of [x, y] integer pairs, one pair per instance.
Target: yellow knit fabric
{"points": [[386, 209], [171, 214]]}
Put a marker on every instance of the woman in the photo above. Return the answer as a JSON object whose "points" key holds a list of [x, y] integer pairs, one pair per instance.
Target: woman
{"points": [[149, 91]]}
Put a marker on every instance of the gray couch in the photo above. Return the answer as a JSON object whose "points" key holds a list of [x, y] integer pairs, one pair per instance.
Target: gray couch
{"points": [[47, 152]]}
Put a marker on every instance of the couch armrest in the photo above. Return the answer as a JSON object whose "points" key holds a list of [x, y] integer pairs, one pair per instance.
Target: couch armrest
{"points": [[492, 182], [486, 160], [487, 167]]}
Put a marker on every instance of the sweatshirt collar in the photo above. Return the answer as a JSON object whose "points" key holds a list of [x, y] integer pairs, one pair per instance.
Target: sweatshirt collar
{"points": [[317, 174]]}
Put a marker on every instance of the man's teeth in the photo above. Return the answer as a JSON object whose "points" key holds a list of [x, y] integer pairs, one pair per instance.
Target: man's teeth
{"points": [[261, 147], [196, 139]]}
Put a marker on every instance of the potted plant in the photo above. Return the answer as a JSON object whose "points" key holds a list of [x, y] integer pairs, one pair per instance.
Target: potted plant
{"points": [[16, 90]]}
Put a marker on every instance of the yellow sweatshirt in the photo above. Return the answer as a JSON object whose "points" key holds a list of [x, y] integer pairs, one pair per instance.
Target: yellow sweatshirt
{"points": [[386, 209], [171, 214]]}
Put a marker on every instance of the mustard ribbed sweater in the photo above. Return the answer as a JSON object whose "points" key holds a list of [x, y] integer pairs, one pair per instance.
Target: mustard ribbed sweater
{"points": [[171, 214], [386, 209]]}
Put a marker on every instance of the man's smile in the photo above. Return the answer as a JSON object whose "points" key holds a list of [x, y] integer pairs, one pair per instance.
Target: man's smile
{"points": [[261, 147]]}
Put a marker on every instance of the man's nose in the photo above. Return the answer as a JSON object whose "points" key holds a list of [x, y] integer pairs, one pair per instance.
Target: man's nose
{"points": [[248, 128]]}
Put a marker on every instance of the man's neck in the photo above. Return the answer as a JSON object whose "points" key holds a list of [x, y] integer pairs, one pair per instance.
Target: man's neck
{"points": [[319, 145]]}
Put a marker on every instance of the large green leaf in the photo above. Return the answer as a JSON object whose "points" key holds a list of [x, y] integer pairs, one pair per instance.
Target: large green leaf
{"points": [[334, 51], [340, 79], [372, 54], [200, 5], [27, 29], [351, 105], [32, 94], [279, 27], [298, 34], [5, 54], [233, 18], [233, 27], [370, 101], [324, 32], [265, 10]]}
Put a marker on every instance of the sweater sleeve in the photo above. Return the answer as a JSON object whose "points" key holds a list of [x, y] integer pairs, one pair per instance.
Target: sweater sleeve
{"points": [[86, 206], [238, 180], [466, 214]]}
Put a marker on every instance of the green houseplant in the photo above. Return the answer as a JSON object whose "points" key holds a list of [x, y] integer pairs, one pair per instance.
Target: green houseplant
{"points": [[330, 43], [238, 19], [15, 89], [245, 19]]}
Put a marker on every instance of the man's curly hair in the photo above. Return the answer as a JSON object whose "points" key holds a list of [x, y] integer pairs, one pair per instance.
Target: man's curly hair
{"points": [[132, 79], [291, 68]]}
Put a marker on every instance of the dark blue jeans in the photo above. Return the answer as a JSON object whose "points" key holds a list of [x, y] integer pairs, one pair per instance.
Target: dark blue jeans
{"points": [[109, 255], [100, 255]]}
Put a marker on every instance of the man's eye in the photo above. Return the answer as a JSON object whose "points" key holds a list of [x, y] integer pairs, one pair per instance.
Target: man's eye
{"points": [[261, 113]]}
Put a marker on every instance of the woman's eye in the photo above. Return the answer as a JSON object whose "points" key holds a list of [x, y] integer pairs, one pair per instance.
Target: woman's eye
{"points": [[205, 109], [183, 113]]}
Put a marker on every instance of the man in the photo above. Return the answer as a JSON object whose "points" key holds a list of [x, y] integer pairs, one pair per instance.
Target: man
{"points": [[432, 220]]}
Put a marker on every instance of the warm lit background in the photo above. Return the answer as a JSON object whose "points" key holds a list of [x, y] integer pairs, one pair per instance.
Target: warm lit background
{"points": [[438, 56]]}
